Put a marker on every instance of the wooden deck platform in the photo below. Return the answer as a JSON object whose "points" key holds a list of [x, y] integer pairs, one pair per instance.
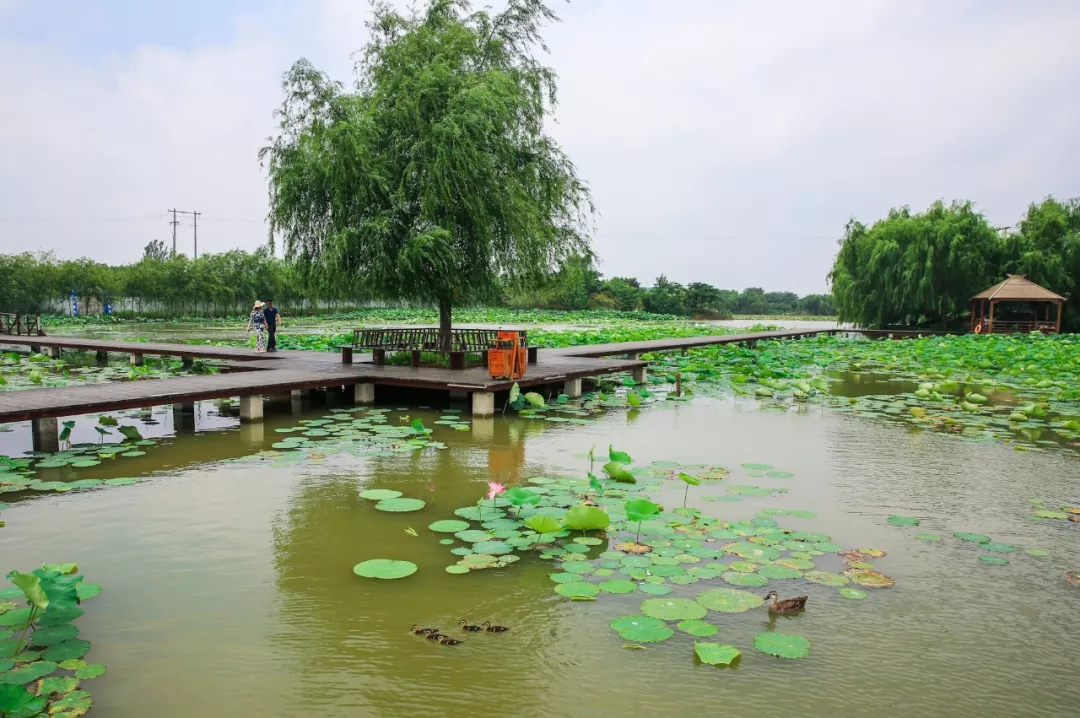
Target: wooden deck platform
{"points": [[288, 371]]}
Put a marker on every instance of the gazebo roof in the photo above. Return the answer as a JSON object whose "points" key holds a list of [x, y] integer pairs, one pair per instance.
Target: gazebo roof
{"points": [[1017, 288]]}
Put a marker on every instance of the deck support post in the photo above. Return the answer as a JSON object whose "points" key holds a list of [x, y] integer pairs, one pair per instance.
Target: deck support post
{"points": [[364, 393], [46, 435], [186, 407], [184, 418], [640, 375], [35, 349], [483, 403], [297, 398], [135, 359], [54, 352], [187, 362], [101, 357], [633, 355], [572, 388], [251, 409]]}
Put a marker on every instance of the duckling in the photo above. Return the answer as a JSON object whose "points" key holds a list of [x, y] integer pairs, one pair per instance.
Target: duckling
{"points": [[494, 629], [436, 636], [447, 641], [788, 605], [466, 627], [423, 631]]}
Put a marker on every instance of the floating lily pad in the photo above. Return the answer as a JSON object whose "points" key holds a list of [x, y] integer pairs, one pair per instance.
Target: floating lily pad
{"points": [[1038, 552], [697, 627], [75, 703], [381, 495], [91, 670], [401, 505], [131, 454], [75, 648], [672, 609], [716, 654], [581, 567], [17, 702], [826, 579], [656, 589], [457, 569], [999, 547], [577, 589], [756, 467], [119, 482], [384, 568], [928, 537], [617, 585], [966, 536], [85, 463], [642, 629], [868, 578], [744, 579], [729, 600], [24, 674], [53, 634], [852, 593], [995, 560], [904, 521], [57, 684], [86, 591], [782, 645], [777, 571]]}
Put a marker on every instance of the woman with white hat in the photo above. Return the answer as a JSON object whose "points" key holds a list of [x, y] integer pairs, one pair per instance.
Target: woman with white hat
{"points": [[257, 323]]}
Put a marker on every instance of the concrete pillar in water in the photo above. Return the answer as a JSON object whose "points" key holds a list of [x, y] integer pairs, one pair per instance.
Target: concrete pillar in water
{"points": [[184, 418], [46, 435], [187, 362], [54, 352], [364, 393], [483, 403], [572, 388], [298, 397], [640, 375], [251, 409], [34, 349], [101, 357], [135, 359]]}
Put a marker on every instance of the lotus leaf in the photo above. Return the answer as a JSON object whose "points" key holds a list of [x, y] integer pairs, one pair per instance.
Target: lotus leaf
{"points": [[72, 665], [448, 526], [998, 547], [779, 572], [91, 670], [802, 564], [87, 590], [586, 518], [379, 494], [697, 627], [643, 629], [576, 589], [457, 569], [76, 703], [826, 579], [580, 567], [495, 548], [852, 593], [656, 589], [976, 538], [620, 456], [617, 471], [384, 568], [928, 537], [869, 579], [56, 684], [534, 400], [17, 702], [543, 524], [716, 654], [995, 560], [400, 505], [617, 586], [672, 609], [53, 634], [729, 600], [743, 579], [24, 674], [75, 648], [782, 645], [903, 521], [1038, 552]]}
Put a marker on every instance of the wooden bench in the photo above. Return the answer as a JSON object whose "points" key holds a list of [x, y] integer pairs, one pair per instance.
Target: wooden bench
{"points": [[426, 339]]}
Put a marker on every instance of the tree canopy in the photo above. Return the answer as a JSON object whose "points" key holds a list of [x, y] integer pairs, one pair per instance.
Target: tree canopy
{"points": [[434, 180], [923, 268]]}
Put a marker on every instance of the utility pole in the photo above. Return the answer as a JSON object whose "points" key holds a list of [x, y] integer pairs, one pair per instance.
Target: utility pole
{"points": [[196, 226], [174, 222]]}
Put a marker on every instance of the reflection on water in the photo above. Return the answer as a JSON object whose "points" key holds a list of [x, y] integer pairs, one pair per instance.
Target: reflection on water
{"points": [[228, 587]]}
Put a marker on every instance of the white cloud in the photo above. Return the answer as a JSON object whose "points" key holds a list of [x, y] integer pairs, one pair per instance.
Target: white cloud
{"points": [[725, 141]]}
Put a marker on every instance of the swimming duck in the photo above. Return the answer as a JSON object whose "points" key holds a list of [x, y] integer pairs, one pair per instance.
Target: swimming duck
{"points": [[436, 636], [494, 629], [466, 627], [447, 641], [788, 605], [423, 631]]}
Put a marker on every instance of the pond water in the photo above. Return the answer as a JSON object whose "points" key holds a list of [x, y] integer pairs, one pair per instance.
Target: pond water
{"points": [[228, 583]]}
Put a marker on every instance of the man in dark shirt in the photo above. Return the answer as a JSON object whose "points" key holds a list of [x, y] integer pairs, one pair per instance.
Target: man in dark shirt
{"points": [[270, 312]]}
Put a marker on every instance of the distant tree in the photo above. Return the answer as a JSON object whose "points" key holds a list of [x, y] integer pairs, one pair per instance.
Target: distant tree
{"points": [[1047, 251], [665, 297], [781, 302], [155, 250], [817, 304], [752, 301], [626, 292], [435, 180], [705, 299]]}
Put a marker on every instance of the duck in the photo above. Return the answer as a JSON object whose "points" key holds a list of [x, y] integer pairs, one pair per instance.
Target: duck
{"points": [[788, 605], [423, 631], [436, 636], [466, 627], [447, 641], [494, 629]]}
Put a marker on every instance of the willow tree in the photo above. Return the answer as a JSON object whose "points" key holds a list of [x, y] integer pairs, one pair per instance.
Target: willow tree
{"points": [[434, 180]]}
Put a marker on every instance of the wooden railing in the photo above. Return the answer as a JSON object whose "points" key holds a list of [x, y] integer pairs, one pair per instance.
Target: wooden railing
{"points": [[1006, 326], [427, 339], [18, 325]]}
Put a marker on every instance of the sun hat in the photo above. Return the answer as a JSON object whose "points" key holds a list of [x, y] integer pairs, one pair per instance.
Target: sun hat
{"points": [[259, 304]]}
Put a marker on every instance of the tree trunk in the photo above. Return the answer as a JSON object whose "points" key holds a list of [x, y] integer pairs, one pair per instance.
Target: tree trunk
{"points": [[444, 324]]}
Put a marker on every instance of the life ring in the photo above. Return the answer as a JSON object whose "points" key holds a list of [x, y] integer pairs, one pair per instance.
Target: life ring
{"points": [[978, 328]]}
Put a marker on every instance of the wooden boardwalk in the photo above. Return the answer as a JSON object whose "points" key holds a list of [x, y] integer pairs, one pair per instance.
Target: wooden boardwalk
{"points": [[289, 371]]}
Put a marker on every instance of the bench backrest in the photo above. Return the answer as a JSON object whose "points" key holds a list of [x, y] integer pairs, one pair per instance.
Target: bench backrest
{"points": [[428, 339]]}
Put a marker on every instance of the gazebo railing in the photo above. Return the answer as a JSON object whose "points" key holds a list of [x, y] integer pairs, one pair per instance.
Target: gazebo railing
{"points": [[1008, 326]]}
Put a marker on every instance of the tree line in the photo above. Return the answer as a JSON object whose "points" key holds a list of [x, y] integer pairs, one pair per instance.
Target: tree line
{"points": [[922, 268], [218, 285]]}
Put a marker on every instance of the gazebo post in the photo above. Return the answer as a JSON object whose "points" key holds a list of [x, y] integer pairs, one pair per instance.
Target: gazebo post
{"points": [[990, 329], [1060, 304]]}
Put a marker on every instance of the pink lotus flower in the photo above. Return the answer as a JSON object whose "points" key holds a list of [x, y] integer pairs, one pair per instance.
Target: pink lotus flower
{"points": [[495, 488]]}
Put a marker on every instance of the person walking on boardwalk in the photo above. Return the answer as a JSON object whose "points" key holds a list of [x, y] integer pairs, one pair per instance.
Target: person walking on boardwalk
{"points": [[257, 324], [271, 314]]}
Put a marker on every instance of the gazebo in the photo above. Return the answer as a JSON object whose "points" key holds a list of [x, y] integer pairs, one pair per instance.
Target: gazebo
{"points": [[1015, 290]]}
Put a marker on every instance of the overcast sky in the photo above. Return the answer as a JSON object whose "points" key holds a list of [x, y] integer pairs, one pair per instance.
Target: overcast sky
{"points": [[725, 142]]}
